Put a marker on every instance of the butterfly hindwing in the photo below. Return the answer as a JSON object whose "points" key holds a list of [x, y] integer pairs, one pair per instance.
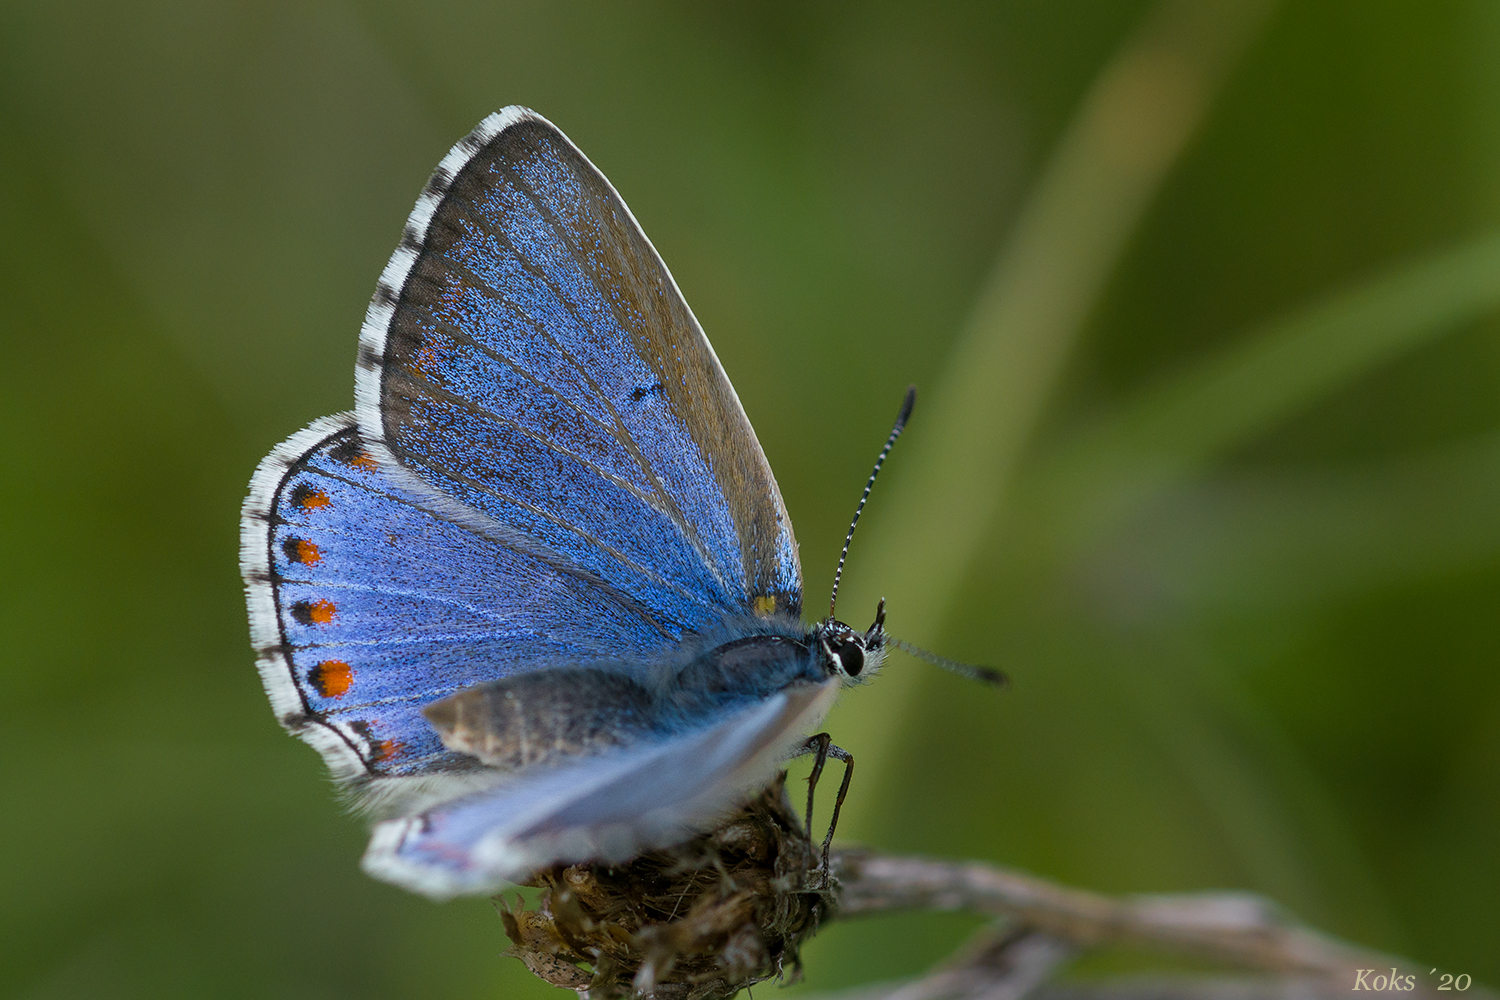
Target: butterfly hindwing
{"points": [[368, 603], [529, 356]]}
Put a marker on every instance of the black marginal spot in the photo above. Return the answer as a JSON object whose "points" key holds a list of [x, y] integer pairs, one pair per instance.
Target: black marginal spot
{"points": [[640, 392], [319, 612], [410, 240], [377, 748], [439, 181], [349, 452], [369, 357], [302, 493], [295, 550], [385, 294], [470, 144]]}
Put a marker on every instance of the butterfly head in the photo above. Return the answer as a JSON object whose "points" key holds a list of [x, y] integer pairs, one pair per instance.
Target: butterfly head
{"points": [[850, 655]]}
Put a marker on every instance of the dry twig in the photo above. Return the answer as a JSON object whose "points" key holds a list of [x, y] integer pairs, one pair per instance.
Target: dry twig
{"points": [[731, 908], [1237, 929]]}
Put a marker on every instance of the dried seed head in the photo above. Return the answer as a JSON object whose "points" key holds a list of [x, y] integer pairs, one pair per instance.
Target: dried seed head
{"points": [[698, 922]]}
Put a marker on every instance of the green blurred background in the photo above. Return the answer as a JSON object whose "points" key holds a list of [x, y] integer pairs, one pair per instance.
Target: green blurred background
{"points": [[1202, 303]]}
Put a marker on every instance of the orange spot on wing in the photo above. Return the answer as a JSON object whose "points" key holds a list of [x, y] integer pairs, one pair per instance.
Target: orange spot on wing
{"points": [[313, 612], [310, 499], [352, 454], [384, 750], [331, 678], [425, 360], [300, 550]]}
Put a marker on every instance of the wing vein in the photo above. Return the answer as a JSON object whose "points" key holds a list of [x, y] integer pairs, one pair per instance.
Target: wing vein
{"points": [[561, 232], [533, 549], [609, 550], [457, 333], [485, 411]]}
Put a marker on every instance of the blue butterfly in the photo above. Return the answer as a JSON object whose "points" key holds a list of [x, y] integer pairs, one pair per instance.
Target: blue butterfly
{"points": [[537, 598]]}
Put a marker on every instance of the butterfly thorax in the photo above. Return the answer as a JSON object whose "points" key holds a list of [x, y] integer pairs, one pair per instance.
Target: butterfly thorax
{"points": [[742, 670], [778, 655]]}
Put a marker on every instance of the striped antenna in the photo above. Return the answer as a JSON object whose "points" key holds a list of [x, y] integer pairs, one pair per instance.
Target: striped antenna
{"points": [[890, 442]]}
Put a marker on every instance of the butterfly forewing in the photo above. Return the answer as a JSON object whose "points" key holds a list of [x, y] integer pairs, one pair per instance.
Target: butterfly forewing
{"points": [[529, 356]]}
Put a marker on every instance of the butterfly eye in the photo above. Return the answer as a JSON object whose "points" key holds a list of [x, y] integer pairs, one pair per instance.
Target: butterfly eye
{"points": [[852, 658], [844, 655]]}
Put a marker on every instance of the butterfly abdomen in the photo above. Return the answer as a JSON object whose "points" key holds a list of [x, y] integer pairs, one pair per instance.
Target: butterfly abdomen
{"points": [[544, 717]]}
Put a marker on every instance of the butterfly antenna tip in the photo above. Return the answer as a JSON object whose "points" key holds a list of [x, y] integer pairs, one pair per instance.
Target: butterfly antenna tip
{"points": [[890, 442], [985, 675]]}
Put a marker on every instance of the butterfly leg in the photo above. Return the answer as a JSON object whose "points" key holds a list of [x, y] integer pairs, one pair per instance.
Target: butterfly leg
{"points": [[819, 746], [822, 747]]}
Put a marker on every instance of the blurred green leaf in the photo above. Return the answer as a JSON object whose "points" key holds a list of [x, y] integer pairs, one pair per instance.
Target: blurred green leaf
{"points": [[1247, 543], [1269, 374]]}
